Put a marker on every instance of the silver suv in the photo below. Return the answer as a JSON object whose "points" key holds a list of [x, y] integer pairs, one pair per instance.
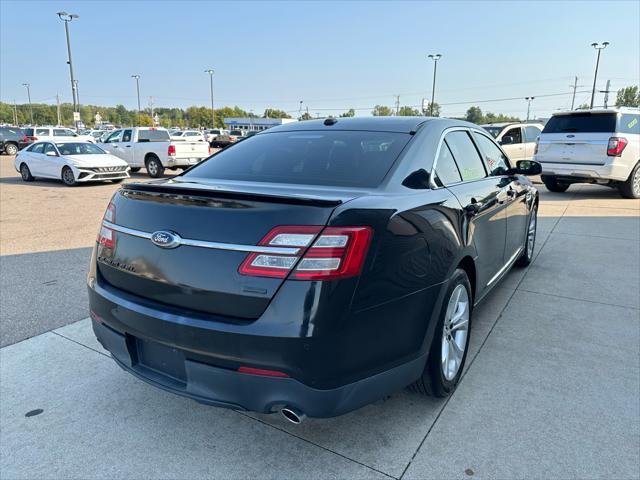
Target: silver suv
{"points": [[592, 146]]}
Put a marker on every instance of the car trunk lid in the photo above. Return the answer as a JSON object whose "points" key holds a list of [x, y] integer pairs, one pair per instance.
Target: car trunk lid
{"points": [[218, 224]]}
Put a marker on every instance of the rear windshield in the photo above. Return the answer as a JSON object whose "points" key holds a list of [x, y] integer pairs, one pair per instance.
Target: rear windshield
{"points": [[336, 158], [153, 136], [581, 123], [494, 131]]}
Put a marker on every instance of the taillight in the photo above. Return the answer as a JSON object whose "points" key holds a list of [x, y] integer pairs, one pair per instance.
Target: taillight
{"points": [[261, 371], [106, 235], [616, 145], [25, 138], [171, 151], [323, 254], [32, 138]]}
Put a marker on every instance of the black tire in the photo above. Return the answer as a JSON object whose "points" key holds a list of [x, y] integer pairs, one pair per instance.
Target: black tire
{"points": [[154, 167], [529, 246], [631, 187], [25, 173], [553, 185], [10, 148], [134, 169], [433, 381], [68, 177], [118, 180]]}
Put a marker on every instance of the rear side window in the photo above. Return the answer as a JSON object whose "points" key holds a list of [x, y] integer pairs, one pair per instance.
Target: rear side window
{"points": [[153, 136], [330, 158], [466, 155], [446, 170], [37, 148], [42, 131], [28, 132], [586, 122], [531, 134], [629, 123]]}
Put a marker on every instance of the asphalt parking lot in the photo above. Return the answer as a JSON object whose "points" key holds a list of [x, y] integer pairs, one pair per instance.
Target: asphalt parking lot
{"points": [[551, 388]]}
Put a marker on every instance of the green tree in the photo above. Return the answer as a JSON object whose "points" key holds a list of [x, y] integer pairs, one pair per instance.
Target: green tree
{"points": [[474, 115], [381, 111], [436, 109], [583, 106], [144, 120], [497, 118], [408, 112], [275, 113], [305, 116], [628, 97], [349, 113]]}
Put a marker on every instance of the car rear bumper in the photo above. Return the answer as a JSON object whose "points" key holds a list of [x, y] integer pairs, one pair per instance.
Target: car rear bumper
{"points": [[190, 358], [607, 171], [227, 388]]}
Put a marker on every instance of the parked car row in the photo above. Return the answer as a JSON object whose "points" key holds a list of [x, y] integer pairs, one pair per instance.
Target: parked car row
{"points": [[123, 151]]}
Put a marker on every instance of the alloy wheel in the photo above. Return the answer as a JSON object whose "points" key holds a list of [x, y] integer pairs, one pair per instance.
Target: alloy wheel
{"points": [[67, 176], [454, 332], [531, 233], [24, 172], [152, 168], [636, 183]]}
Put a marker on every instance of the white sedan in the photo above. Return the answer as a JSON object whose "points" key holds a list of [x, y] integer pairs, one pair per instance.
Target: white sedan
{"points": [[71, 162]]}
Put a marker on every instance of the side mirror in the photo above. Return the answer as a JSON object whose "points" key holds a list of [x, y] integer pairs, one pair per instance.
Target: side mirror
{"points": [[508, 140], [417, 180], [51, 154], [528, 167]]}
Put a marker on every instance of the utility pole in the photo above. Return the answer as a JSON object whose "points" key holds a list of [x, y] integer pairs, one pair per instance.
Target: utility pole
{"points": [[15, 113], [529, 100], [575, 87], [606, 92], [300, 109], [397, 104], [58, 108], [137, 77], [66, 18], [435, 59], [27, 85], [213, 114], [599, 48]]}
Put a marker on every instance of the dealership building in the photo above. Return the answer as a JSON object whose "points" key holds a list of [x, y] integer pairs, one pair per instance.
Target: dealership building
{"points": [[248, 123]]}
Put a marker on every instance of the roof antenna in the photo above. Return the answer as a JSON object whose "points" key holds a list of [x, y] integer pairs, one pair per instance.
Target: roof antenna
{"points": [[330, 121]]}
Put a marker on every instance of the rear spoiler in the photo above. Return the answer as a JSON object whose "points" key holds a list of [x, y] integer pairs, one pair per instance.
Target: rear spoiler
{"points": [[203, 191]]}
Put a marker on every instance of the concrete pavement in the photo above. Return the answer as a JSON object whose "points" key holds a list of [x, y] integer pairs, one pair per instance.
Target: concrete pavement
{"points": [[551, 388]]}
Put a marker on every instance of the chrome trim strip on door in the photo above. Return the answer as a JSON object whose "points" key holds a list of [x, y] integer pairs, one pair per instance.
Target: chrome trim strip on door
{"points": [[235, 247], [513, 258]]}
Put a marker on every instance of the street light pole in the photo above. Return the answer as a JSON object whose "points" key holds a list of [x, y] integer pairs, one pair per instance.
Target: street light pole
{"points": [[66, 18], [213, 112], [137, 77], [528, 99], [435, 59], [599, 48], [29, 97]]}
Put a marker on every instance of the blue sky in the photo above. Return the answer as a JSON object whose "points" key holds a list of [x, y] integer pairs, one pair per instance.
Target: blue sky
{"points": [[331, 55]]}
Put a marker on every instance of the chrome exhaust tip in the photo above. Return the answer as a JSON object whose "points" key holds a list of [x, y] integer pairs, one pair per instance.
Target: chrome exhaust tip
{"points": [[294, 415]]}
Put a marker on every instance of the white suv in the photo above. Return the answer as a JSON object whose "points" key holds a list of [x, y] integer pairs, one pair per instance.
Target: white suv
{"points": [[518, 140], [56, 134], [592, 146]]}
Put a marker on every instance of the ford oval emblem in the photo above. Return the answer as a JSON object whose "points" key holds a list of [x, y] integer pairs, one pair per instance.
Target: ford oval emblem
{"points": [[165, 239]]}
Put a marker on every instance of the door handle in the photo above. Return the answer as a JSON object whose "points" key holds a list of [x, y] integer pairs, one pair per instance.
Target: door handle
{"points": [[473, 208], [128, 146]]}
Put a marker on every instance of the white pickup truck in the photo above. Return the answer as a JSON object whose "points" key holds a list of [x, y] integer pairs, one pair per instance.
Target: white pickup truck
{"points": [[153, 149]]}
